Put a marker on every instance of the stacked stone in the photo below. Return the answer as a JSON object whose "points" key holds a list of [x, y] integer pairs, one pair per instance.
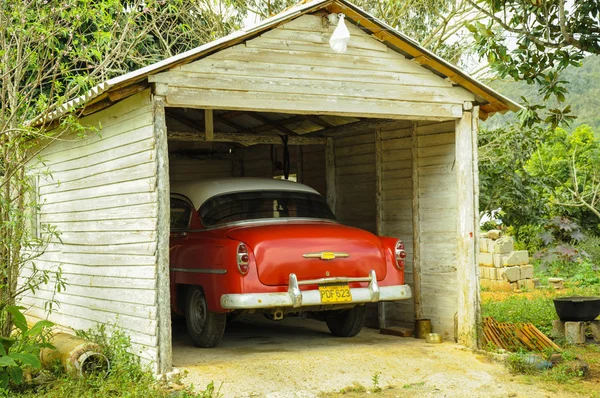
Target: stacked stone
{"points": [[501, 268]]}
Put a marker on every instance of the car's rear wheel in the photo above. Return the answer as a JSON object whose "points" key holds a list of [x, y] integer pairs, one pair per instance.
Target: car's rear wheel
{"points": [[204, 327], [347, 323]]}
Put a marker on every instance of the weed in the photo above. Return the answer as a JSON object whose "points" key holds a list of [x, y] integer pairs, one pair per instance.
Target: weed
{"points": [[412, 385], [127, 376], [354, 388], [375, 380]]}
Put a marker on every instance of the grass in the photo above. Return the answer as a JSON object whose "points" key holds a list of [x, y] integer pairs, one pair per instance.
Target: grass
{"points": [[127, 377], [534, 307]]}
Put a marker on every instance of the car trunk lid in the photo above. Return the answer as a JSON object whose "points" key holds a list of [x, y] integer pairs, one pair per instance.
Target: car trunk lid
{"points": [[311, 250]]}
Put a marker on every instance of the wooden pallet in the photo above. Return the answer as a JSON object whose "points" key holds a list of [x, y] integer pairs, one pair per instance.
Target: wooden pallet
{"points": [[515, 336]]}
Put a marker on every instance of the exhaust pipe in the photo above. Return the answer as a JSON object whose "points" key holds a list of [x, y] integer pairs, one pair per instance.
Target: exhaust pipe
{"points": [[277, 315], [78, 356]]}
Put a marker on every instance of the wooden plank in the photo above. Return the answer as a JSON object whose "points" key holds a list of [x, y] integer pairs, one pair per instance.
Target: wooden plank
{"points": [[209, 127], [244, 139], [329, 88], [330, 173], [104, 238], [147, 210], [131, 224], [109, 202], [397, 331], [268, 68], [124, 271], [310, 104], [141, 185]]}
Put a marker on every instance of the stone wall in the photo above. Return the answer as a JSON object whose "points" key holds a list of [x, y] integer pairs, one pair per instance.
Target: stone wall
{"points": [[501, 268]]}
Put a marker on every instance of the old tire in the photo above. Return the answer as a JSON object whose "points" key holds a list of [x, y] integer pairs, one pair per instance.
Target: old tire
{"points": [[204, 327], [347, 323]]}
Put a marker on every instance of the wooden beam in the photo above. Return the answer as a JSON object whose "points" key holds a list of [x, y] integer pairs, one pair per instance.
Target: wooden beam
{"points": [[164, 360], [276, 125], [366, 124], [330, 182], [416, 225], [466, 274], [475, 151], [127, 91], [209, 126], [379, 210], [245, 139]]}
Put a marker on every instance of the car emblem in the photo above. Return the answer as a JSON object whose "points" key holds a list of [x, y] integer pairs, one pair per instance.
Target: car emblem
{"points": [[326, 255]]}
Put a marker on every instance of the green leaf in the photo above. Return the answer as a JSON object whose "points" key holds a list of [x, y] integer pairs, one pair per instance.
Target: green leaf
{"points": [[26, 359], [16, 374], [3, 379], [18, 317], [7, 361], [38, 328], [6, 343]]}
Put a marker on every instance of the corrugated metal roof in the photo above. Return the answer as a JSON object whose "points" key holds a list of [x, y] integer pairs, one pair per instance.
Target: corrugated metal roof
{"points": [[369, 22]]}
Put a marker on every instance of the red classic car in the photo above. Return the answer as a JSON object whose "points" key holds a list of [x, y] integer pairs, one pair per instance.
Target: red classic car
{"points": [[273, 246]]}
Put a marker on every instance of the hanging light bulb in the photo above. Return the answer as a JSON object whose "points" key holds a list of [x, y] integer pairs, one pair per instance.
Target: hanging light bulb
{"points": [[340, 37]]}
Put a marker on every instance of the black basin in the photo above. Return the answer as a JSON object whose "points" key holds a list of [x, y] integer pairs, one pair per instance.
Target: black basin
{"points": [[577, 308]]}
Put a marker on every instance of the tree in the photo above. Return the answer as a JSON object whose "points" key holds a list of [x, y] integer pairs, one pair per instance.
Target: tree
{"points": [[51, 52], [566, 164], [535, 40]]}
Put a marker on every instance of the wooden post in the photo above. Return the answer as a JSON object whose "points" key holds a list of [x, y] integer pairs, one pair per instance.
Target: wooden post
{"points": [[209, 126], [379, 209], [467, 279], [164, 360], [475, 139], [330, 173], [416, 225]]}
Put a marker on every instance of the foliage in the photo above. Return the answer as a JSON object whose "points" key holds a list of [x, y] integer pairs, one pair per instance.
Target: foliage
{"points": [[21, 351], [566, 167], [549, 35], [559, 240], [504, 183], [127, 377]]}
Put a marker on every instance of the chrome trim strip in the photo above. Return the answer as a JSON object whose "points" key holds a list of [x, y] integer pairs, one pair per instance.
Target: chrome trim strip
{"points": [[337, 279], [296, 298], [322, 255], [279, 220], [201, 270]]}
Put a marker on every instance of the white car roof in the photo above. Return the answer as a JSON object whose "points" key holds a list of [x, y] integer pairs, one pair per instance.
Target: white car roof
{"points": [[200, 191]]}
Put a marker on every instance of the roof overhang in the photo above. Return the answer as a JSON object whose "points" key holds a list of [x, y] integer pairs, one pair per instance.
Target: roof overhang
{"points": [[122, 86]]}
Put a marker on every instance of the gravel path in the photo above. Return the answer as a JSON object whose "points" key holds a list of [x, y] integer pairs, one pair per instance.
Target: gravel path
{"points": [[299, 358]]}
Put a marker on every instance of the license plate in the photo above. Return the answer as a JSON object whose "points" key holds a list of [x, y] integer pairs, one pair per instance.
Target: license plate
{"points": [[335, 294]]}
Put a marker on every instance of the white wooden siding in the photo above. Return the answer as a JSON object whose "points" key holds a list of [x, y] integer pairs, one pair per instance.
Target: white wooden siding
{"points": [[396, 217], [355, 180], [438, 210], [292, 69], [101, 196], [196, 169]]}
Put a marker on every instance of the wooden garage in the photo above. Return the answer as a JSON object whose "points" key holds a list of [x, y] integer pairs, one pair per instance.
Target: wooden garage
{"points": [[387, 131]]}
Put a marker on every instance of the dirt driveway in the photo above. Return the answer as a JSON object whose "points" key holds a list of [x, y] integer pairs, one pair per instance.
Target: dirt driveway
{"points": [[299, 358]]}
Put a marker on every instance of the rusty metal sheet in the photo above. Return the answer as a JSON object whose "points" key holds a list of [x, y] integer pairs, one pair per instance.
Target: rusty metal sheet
{"points": [[515, 336]]}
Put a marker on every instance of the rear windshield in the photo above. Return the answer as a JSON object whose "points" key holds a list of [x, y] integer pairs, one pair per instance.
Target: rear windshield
{"points": [[242, 206]]}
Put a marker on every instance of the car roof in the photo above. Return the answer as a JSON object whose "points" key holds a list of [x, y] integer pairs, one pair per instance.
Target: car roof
{"points": [[200, 191]]}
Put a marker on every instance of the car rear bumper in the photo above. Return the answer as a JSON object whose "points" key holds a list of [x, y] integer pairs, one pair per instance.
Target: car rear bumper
{"points": [[297, 298]]}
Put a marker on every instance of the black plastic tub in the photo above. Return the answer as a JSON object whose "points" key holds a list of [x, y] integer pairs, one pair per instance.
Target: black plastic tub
{"points": [[577, 308]]}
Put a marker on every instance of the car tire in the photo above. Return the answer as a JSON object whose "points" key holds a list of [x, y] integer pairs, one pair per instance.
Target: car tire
{"points": [[204, 327], [347, 323]]}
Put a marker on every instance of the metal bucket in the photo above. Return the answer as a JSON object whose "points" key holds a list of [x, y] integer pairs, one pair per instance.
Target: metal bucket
{"points": [[422, 328]]}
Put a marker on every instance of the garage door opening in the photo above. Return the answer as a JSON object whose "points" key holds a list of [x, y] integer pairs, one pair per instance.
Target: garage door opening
{"points": [[362, 166]]}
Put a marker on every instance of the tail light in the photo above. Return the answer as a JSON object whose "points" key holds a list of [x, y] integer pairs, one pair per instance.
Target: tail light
{"points": [[400, 254], [243, 258]]}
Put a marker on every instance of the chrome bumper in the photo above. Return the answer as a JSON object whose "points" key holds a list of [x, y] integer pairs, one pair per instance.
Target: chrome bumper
{"points": [[296, 298]]}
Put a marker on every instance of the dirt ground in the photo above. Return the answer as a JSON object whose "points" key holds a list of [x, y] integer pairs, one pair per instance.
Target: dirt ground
{"points": [[299, 358]]}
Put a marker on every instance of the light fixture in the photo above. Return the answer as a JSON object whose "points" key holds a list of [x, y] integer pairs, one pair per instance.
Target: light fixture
{"points": [[340, 37]]}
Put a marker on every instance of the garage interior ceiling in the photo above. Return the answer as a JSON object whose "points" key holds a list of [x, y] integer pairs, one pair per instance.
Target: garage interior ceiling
{"points": [[244, 128]]}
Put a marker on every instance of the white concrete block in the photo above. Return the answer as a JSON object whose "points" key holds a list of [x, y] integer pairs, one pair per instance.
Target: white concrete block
{"points": [[575, 332], [483, 245], [526, 284], [498, 260], [486, 260], [527, 271], [519, 257], [510, 274], [494, 234], [504, 245]]}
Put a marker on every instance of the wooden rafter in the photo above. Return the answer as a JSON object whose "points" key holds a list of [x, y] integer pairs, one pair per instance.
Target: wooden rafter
{"points": [[244, 139]]}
